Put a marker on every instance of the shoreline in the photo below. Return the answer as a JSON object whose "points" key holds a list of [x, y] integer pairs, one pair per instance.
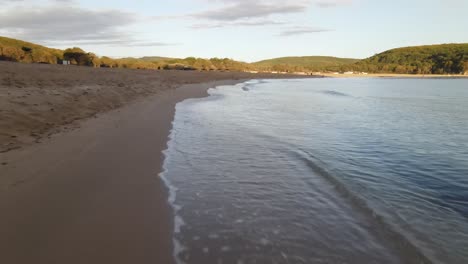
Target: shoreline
{"points": [[93, 194], [39, 101], [394, 75]]}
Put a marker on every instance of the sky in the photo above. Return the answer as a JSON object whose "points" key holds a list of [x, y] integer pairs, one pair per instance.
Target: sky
{"points": [[238, 29]]}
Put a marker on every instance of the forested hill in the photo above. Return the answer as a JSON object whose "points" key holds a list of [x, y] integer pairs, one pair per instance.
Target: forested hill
{"points": [[433, 59], [22, 51], [310, 63], [26, 52]]}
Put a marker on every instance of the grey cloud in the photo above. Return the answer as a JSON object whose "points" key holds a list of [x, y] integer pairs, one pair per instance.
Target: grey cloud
{"points": [[66, 23], [238, 24], [251, 9], [331, 3], [302, 31], [230, 13], [234, 10]]}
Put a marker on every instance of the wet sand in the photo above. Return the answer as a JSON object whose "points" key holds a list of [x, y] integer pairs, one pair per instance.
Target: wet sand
{"points": [[91, 194]]}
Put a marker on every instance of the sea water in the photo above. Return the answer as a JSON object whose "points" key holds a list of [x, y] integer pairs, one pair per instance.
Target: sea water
{"points": [[322, 171]]}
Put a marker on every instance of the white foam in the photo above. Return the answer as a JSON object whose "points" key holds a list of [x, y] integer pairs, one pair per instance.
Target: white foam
{"points": [[226, 249], [178, 221], [213, 236], [264, 241], [172, 190]]}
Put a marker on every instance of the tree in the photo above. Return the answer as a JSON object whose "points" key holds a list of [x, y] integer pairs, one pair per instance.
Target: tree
{"points": [[76, 56], [465, 67], [93, 60]]}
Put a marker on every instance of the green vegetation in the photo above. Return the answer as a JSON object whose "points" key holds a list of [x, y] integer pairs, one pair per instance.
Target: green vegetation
{"points": [[300, 64], [77, 56], [434, 59], [21, 51], [208, 64]]}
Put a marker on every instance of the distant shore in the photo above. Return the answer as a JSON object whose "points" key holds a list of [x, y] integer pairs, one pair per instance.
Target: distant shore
{"points": [[91, 193], [392, 75]]}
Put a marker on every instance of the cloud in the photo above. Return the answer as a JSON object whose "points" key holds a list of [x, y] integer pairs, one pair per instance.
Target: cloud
{"points": [[331, 3], [65, 23], [247, 13], [229, 13], [248, 10], [241, 9], [302, 30], [232, 10], [245, 23]]}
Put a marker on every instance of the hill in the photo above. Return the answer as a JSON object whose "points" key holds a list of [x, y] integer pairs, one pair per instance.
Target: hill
{"points": [[431, 59], [303, 63], [26, 52], [22, 51]]}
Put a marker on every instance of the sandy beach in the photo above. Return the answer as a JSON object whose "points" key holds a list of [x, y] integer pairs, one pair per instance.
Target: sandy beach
{"points": [[37, 101], [81, 154]]}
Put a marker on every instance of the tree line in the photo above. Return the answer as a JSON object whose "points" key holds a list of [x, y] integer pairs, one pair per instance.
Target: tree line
{"points": [[21, 51], [435, 59]]}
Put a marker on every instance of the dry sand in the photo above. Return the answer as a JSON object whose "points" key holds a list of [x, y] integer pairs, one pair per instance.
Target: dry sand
{"points": [[91, 194], [40, 100]]}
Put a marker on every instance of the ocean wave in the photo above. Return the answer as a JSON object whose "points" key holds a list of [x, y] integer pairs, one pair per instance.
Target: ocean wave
{"points": [[335, 93], [382, 228]]}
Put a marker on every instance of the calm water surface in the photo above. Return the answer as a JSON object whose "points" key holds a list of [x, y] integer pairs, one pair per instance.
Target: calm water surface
{"points": [[322, 171]]}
